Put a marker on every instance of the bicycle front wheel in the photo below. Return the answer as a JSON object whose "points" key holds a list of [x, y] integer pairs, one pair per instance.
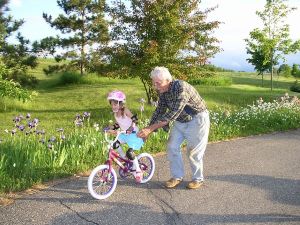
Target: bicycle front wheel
{"points": [[147, 165], [101, 182]]}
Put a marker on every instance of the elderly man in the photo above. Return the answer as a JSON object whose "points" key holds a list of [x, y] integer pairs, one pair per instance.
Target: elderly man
{"points": [[180, 103]]}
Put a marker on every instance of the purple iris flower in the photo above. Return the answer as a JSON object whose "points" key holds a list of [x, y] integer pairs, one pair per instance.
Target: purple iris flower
{"points": [[13, 132], [77, 116], [28, 116], [86, 115], [35, 121], [63, 137], [52, 139], [21, 127], [50, 146], [31, 125], [17, 119], [78, 122]]}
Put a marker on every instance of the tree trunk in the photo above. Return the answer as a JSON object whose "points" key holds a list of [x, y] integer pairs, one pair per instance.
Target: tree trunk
{"points": [[147, 91], [82, 56], [272, 74], [151, 94]]}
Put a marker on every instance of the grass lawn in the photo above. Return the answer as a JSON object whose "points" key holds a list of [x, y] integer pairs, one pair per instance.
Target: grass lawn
{"points": [[56, 106], [30, 158]]}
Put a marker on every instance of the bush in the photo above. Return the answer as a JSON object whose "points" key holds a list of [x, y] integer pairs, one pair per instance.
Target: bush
{"points": [[262, 117], [295, 87], [70, 78], [285, 70], [212, 81], [214, 68]]}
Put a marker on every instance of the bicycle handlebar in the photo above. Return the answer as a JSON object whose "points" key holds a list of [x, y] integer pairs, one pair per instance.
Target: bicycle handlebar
{"points": [[116, 138]]}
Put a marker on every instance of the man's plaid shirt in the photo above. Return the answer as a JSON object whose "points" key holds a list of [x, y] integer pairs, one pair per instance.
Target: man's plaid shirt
{"points": [[179, 103]]}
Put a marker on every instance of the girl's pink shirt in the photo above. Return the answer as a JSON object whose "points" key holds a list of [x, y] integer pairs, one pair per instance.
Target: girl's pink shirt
{"points": [[125, 122]]}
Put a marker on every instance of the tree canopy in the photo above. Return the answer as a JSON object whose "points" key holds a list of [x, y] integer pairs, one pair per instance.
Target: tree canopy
{"points": [[17, 56], [160, 33], [269, 45], [83, 29], [8, 88]]}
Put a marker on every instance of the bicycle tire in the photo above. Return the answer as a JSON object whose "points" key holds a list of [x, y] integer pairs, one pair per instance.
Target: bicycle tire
{"points": [[100, 179], [147, 165]]}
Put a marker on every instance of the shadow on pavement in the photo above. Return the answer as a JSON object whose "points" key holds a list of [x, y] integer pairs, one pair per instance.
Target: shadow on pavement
{"points": [[137, 214], [281, 190]]}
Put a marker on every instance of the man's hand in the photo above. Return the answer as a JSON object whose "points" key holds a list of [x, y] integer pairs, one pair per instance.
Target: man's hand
{"points": [[144, 133], [113, 132]]}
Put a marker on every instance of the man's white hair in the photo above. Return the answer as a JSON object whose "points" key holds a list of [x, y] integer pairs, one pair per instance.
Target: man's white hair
{"points": [[162, 73]]}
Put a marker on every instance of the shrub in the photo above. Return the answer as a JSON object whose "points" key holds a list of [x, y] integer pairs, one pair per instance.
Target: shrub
{"points": [[285, 70], [212, 81], [295, 87], [70, 78], [262, 117]]}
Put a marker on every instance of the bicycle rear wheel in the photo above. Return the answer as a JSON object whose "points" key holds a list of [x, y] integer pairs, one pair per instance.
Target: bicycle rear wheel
{"points": [[147, 165], [101, 182]]}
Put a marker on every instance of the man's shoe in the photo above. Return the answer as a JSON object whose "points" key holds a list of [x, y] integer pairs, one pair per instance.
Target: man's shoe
{"points": [[173, 182], [195, 184]]}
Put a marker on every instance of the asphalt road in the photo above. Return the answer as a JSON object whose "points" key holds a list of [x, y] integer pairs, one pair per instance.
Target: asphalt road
{"points": [[254, 180]]}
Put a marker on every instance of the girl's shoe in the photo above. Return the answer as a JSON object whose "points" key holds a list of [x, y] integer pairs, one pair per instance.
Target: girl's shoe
{"points": [[138, 176]]}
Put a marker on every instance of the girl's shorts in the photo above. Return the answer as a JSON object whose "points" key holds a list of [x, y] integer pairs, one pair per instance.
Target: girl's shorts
{"points": [[132, 140]]}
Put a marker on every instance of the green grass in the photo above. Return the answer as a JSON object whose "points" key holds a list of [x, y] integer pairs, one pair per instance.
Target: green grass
{"points": [[56, 107]]}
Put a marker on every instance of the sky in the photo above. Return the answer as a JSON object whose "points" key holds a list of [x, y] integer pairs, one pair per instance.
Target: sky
{"points": [[238, 18]]}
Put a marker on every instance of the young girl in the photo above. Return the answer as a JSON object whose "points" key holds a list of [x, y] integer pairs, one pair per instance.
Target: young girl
{"points": [[125, 121]]}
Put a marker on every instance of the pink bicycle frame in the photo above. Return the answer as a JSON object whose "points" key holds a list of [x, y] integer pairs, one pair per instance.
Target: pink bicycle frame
{"points": [[113, 156]]}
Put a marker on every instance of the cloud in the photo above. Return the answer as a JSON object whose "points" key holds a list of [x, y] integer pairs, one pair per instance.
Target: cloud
{"points": [[16, 3], [238, 18]]}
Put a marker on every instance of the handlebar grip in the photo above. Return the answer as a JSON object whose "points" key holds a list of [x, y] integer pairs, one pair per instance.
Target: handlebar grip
{"points": [[106, 129]]}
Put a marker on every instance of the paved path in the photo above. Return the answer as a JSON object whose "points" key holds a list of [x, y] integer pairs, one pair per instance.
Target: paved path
{"points": [[254, 180]]}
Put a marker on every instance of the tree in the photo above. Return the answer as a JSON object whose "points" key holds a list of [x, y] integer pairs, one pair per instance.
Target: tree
{"points": [[156, 32], [17, 57], [258, 60], [85, 27], [12, 89], [8, 88], [272, 41], [295, 70], [204, 45], [285, 70]]}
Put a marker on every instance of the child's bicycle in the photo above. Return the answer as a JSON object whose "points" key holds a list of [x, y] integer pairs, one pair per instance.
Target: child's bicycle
{"points": [[102, 181]]}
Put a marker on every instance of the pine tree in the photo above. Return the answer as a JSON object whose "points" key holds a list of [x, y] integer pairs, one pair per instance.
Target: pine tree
{"points": [[83, 29], [8, 88], [18, 57]]}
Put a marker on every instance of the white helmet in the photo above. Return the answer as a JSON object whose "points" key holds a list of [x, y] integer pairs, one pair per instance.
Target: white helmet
{"points": [[116, 95]]}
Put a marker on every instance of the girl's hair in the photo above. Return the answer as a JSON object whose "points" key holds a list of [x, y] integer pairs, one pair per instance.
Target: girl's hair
{"points": [[162, 73]]}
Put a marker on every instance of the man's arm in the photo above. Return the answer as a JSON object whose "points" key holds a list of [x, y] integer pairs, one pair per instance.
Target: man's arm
{"points": [[159, 111], [145, 132]]}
